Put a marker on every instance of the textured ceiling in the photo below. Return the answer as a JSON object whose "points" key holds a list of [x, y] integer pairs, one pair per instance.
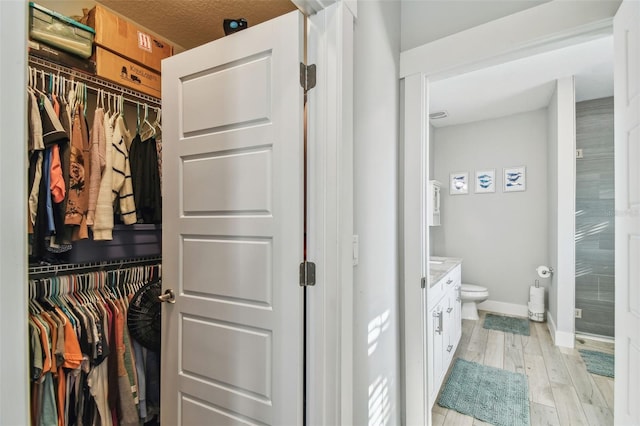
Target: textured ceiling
{"points": [[191, 23]]}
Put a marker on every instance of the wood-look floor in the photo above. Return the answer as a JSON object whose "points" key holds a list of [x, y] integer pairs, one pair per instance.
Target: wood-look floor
{"points": [[561, 391]]}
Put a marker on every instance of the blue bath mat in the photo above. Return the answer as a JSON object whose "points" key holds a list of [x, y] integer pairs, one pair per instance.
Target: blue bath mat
{"points": [[598, 363], [507, 324], [490, 394]]}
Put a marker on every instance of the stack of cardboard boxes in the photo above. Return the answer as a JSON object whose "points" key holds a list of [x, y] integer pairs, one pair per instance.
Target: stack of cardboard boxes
{"points": [[125, 54], [104, 44]]}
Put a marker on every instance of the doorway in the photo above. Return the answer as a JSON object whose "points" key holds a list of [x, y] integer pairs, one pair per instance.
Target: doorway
{"points": [[492, 130], [489, 127], [418, 78]]}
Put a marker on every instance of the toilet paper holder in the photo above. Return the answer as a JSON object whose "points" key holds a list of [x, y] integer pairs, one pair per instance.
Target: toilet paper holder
{"points": [[544, 271]]}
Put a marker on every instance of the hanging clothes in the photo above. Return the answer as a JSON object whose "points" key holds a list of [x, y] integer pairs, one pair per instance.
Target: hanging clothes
{"points": [[82, 362], [40, 193], [146, 180], [98, 162], [79, 180], [61, 241], [122, 188], [78, 203], [103, 219]]}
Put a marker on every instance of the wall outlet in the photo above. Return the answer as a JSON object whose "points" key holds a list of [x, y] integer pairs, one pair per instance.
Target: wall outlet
{"points": [[578, 313]]}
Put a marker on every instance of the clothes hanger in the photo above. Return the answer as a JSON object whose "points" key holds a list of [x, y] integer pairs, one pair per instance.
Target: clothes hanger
{"points": [[34, 85], [71, 97], [156, 123], [34, 307], [61, 87], [74, 97], [150, 130], [137, 118], [84, 98]]}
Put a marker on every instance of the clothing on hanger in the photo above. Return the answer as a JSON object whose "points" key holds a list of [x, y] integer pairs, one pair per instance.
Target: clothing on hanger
{"points": [[84, 367]]}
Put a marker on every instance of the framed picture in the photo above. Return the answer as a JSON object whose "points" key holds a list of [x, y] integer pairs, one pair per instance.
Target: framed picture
{"points": [[515, 179], [458, 183], [485, 181]]}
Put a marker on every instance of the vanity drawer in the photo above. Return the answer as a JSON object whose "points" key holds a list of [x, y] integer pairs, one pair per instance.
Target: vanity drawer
{"points": [[435, 293], [454, 277]]}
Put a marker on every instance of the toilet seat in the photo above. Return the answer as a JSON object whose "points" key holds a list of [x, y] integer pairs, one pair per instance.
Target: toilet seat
{"points": [[472, 288]]}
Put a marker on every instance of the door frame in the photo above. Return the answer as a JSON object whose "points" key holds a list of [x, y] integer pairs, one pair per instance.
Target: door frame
{"points": [[331, 336], [555, 25], [14, 346], [329, 304]]}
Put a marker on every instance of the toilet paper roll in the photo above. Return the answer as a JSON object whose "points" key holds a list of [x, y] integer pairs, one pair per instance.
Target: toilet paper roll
{"points": [[536, 299], [543, 271]]}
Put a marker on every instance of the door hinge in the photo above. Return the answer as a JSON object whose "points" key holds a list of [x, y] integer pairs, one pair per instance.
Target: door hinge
{"points": [[423, 282], [307, 273], [307, 76]]}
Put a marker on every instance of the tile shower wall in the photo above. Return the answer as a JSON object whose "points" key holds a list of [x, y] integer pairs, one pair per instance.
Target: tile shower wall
{"points": [[595, 217]]}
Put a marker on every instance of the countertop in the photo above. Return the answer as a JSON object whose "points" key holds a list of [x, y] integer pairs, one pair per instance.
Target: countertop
{"points": [[441, 266]]}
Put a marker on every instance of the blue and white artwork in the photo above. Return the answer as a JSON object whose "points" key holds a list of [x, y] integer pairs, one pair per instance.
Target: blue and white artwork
{"points": [[515, 179], [485, 181], [458, 183]]}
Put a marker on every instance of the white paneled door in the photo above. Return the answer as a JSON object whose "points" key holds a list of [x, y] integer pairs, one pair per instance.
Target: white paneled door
{"points": [[232, 348], [627, 166]]}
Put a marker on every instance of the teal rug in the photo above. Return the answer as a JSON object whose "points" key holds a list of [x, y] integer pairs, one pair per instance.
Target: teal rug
{"points": [[490, 394], [507, 324], [598, 362]]}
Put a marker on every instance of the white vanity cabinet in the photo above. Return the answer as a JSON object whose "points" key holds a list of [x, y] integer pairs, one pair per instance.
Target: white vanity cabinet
{"points": [[433, 203], [444, 327]]}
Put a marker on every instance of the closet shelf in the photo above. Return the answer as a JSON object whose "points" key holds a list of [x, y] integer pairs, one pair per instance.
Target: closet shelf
{"points": [[49, 270], [93, 80]]}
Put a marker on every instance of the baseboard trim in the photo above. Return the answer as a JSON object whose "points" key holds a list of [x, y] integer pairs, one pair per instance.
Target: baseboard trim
{"points": [[597, 338], [504, 308], [560, 338]]}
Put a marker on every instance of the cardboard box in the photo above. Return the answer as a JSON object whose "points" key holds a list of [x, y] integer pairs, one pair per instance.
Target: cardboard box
{"points": [[124, 38], [127, 73], [59, 57]]}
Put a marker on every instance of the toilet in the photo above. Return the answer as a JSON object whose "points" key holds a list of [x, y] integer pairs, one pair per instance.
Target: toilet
{"points": [[471, 295]]}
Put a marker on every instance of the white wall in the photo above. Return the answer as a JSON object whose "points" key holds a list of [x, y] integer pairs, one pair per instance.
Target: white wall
{"points": [[14, 362], [426, 21], [501, 237], [376, 105], [552, 203], [561, 215]]}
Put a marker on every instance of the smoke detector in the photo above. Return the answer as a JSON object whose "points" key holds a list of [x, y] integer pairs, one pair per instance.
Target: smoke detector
{"points": [[438, 114]]}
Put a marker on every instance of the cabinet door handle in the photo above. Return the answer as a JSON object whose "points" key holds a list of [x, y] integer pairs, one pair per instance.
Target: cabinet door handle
{"points": [[438, 315], [449, 348], [449, 310], [449, 281]]}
